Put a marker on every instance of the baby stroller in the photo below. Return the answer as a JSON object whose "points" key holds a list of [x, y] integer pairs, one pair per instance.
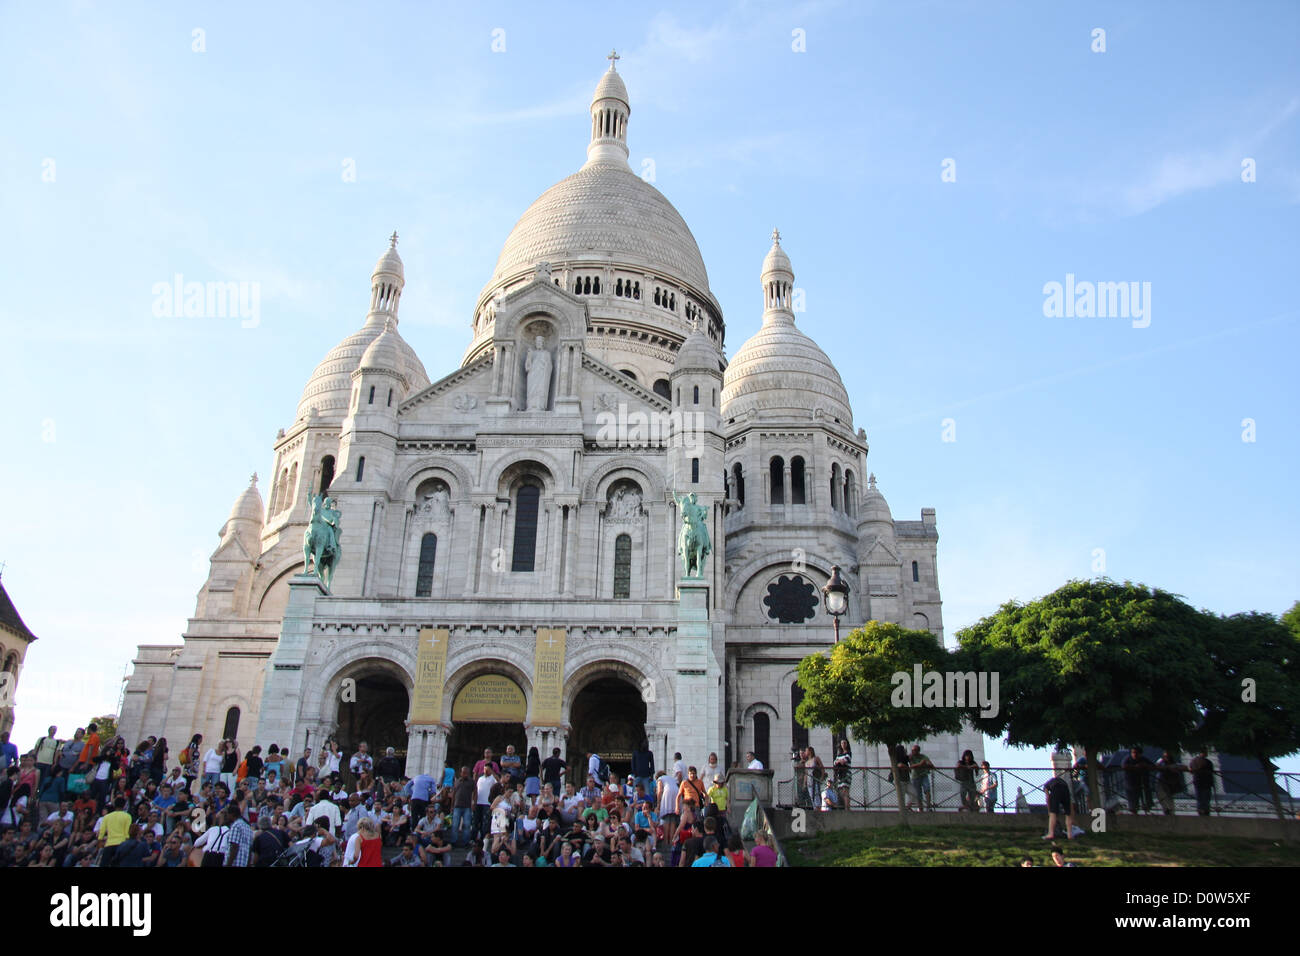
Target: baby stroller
{"points": [[299, 853]]}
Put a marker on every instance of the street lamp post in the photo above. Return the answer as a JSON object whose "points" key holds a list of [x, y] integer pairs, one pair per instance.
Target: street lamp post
{"points": [[835, 595]]}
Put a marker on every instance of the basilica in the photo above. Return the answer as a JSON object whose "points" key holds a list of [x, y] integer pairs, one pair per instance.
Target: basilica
{"points": [[503, 557]]}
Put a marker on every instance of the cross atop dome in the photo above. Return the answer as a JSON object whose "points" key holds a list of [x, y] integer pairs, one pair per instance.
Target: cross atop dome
{"points": [[776, 236], [613, 60], [392, 240], [253, 480]]}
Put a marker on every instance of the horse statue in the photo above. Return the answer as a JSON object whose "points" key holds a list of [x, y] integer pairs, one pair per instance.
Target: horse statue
{"points": [[320, 542], [693, 543]]}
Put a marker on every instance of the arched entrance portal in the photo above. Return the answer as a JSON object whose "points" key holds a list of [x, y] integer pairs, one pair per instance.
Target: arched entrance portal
{"points": [[608, 718], [489, 711], [374, 711]]}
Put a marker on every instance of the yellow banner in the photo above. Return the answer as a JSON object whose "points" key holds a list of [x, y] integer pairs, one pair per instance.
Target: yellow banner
{"points": [[548, 677], [490, 699], [430, 675]]}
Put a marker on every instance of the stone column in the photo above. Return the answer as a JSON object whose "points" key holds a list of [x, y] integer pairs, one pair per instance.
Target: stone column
{"points": [[697, 728], [282, 701]]}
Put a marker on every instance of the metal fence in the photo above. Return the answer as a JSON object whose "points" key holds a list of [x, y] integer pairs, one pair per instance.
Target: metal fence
{"points": [[1020, 790]]}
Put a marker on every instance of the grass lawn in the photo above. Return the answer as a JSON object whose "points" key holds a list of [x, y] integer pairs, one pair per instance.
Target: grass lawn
{"points": [[953, 846]]}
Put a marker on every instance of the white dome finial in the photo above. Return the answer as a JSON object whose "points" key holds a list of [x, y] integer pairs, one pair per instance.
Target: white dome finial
{"points": [[777, 280], [609, 112]]}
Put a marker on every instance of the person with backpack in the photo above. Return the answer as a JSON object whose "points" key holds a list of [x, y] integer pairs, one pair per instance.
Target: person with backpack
{"points": [[47, 752], [691, 794], [711, 856]]}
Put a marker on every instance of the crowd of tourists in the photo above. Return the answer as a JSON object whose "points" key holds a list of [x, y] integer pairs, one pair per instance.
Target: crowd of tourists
{"points": [[92, 801]]}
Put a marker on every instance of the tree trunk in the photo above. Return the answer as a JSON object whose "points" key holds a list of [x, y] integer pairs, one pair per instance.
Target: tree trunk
{"points": [[898, 785], [1094, 776], [1267, 766]]}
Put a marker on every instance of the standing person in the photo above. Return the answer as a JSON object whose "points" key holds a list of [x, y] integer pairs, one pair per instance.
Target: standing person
{"points": [[643, 767], [70, 753], [114, 828], [361, 762], [240, 840], [389, 768], [253, 765], [46, 752], [965, 774], [213, 761], [1135, 771], [710, 769], [302, 767], [422, 788], [483, 787], [90, 750], [511, 766], [230, 764], [692, 796], [533, 776], [190, 760], [158, 765], [487, 761], [752, 762], [330, 760], [988, 786], [921, 766], [1059, 802], [666, 796], [463, 798], [8, 752], [844, 771], [1169, 782], [902, 773], [816, 776], [1202, 768], [553, 771]]}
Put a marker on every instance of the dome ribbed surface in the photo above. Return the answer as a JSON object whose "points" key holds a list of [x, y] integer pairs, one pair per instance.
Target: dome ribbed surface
{"points": [[780, 372], [611, 86], [248, 506], [603, 210], [697, 352], [330, 386]]}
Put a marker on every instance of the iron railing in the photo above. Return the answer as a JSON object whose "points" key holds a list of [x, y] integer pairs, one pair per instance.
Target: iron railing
{"points": [[1020, 790]]}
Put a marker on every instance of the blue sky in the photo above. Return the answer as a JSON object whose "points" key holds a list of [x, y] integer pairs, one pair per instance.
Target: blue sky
{"points": [[129, 435]]}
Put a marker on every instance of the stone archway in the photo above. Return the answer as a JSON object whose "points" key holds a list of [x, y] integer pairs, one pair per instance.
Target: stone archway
{"points": [[373, 705], [607, 716]]}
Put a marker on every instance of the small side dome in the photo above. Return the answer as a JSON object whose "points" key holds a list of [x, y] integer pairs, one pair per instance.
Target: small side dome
{"points": [[248, 506], [873, 507], [697, 353], [384, 354]]}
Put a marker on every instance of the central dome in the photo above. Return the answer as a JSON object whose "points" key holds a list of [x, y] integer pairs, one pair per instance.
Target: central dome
{"points": [[603, 211]]}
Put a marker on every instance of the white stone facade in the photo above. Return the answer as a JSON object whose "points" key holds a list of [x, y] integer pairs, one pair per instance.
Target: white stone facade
{"points": [[638, 406]]}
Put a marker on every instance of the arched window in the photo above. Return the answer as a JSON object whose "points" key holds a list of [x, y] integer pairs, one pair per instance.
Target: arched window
{"points": [[697, 395], [277, 496], [595, 285], [776, 472], [798, 732], [526, 501], [390, 396], [695, 471], [371, 400], [326, 473], [424, 577], [11, 663], [835, 487], [916, 572], [850, 494], [618, 287], [291, 488], [629, 373], [636, 290], [623, 566], [738, 483], [796, 481], [361, 467], [762, 738], [231, 728], [662, 388]]}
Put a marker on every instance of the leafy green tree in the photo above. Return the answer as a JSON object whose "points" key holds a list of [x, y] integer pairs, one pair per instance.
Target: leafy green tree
{"points": [[853, 687], [1291, 620], [1255, 707], [1098, 663], [107, 728]]}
